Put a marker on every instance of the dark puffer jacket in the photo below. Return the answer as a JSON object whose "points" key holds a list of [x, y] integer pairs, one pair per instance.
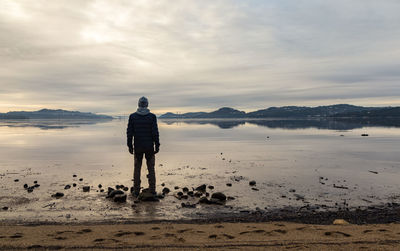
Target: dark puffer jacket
{"points": [[144, 130]]}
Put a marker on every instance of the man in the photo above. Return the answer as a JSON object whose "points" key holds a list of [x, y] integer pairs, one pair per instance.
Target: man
{"points": [[143, 128]]}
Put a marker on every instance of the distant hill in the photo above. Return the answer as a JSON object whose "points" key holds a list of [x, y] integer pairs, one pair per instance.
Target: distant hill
{"points": [[340, 110], [52, 114], [385, 112]]}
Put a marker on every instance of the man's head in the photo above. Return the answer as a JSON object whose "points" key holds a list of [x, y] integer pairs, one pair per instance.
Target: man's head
{"points": [[143, 102]]}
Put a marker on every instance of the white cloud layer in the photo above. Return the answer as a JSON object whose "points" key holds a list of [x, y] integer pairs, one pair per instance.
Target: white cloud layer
{"points": [[198, 55]]}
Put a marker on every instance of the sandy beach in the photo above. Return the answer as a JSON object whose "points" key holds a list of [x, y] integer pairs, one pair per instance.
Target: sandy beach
{"points": [[216, 236]]}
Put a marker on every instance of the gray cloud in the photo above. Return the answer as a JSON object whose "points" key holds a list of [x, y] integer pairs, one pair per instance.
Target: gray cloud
{"points": [[102, 55]]}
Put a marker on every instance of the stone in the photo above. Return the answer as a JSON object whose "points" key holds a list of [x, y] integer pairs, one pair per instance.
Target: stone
{"points": [[162, 184], [252, 183], [118, 187], [25, 186], [210, 187], [5, 208], [179, 194], [364, 135], [125, 189], [86, 188], [229, 184], [30, 189], [230, 198], [190, 193], [204, 200], [110, 189], [35, 182], [113, 193], [188, 205], [201, 188], [67, 187], [100, 186], [340, 222], [198, 194], [298, 196], [216, 201], [74, 184], [185, 197], [74, 175], [207, 194], [292, 190], [58, 195], [36, 186], [185, 189], [101, 190], [219, 196], [16, 180], [254, 189], [176, 187], [165, 190], [160, 196], [120, 198], [81, 179]]}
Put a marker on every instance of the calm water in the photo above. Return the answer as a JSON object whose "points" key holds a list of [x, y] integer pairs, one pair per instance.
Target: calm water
{"points": [[278, 155]]}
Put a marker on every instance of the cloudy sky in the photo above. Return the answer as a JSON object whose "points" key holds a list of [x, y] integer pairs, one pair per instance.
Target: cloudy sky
{"points": [[101, 56]]}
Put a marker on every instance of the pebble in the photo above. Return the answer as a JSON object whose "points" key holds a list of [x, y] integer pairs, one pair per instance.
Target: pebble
{"points": [[81, 179], [185, 189], [99, 186], [58, 195], [210, 187], [176, 187], [74, 175], [25, 186], [5, 208], [219, 196], [120, 198], [252, 183], [35, 182], [165, 190], [16, 180], [125, 189], [340, 222], [67, 187], [201, 188], [74, 185], [113, 193], [86, 188], [228, 184], [204, 200]]}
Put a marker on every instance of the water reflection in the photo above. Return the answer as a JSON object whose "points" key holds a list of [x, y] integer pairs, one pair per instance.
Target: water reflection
{"points": [[49, 124], [330, 124]]}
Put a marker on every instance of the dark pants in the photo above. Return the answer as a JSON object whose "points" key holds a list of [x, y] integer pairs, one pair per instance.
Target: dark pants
{"points": [[150, 161]]}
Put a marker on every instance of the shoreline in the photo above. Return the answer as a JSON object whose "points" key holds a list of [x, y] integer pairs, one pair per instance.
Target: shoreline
{"points": [[387, 214]]}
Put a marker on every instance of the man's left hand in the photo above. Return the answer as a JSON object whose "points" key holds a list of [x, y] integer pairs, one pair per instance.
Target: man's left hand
{"points": [[131, 150]]}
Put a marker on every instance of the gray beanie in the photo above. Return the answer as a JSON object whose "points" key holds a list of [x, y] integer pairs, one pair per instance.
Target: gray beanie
{"points": [[143, 102]]}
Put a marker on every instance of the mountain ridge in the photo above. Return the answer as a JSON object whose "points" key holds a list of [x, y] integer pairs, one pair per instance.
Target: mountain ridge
{"points": [[52, 114], [337, 110]]}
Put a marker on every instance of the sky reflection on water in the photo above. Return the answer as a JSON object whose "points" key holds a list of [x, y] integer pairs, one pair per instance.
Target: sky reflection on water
{"points": [[291, 156]]}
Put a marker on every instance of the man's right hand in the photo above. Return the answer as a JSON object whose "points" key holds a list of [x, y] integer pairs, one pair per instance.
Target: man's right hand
{"points": [[157, 149], [131, 150]]}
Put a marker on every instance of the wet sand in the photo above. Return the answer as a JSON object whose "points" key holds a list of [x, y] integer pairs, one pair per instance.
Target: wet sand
{"points": [[216, 236]]}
